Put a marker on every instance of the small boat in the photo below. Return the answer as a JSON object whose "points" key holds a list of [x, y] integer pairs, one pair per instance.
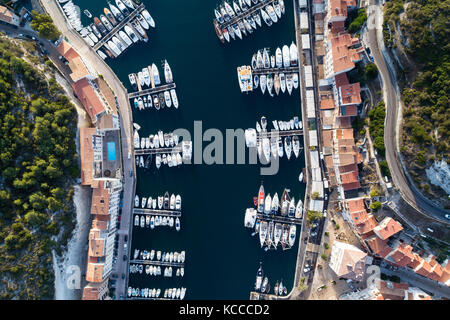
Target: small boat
{"points": [[229, 9], [218, 16], [276, 83], [87, 13], [267, 204], [288, 146], [100, 26], [269, 240], [300, 177], [289, 83], [173, 95], [262, 81], [142, 221], [166, 201], [272, 61], [152, 222], [265, 285], [148, 17], [178, 202], [129, 4], [236, 8], [271, 13], [275, 125], [291, 210], [299, 209], [156, 102], [266, 59], [292, 234], [106, 22], [256, 81], [266, 18], [136, 220], [277, 234], [259, 278], [122, 7], [295, 80], [224, 13], [146, 76], [142, 22], [141, 78], [158, 161], [296, 145], [167, 99], [172, 202], [162, 100], [286, 56], [263, 123], [293, 54], [274, 207], [136, 201], [283, 82], [131, 33], [116, 12], [270, 84], [277, 8], [257, 18], [125, 38], [110, 16], [263, 233], [261, 199], [254, 61], [132, 79], [155, 74], [177, 224], [259, 60]]}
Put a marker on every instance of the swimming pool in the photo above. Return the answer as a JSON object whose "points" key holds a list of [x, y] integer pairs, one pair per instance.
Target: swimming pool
{"points": [[111, 151]]}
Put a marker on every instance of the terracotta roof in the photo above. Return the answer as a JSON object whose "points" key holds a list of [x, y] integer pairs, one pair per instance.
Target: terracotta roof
{"points": [[355, 205], [96, 244], [107, 93], [402, 255], [337, 26], [327, 138], [377, 245], [338, 8], [341, 79], [351, 3], [350, 94], [88, 98], [91, 293], [348, 168], [367, 226], [94, 272], [387, 228], [100, 201], [344, 57], [329, 161], [344, 122], [86, 155], [76, 64], [348, 111], [346, 159], [344, 134], [327, 103]]}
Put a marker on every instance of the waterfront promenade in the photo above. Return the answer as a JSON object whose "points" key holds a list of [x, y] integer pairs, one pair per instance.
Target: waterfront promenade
{"points": [[97, 66]]}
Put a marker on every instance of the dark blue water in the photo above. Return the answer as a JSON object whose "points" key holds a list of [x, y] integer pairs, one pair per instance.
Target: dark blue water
{"points": [[222, 258]]}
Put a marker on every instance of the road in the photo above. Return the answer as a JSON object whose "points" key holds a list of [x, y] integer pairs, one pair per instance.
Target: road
{"points": [[406, 187], [97, 66]]}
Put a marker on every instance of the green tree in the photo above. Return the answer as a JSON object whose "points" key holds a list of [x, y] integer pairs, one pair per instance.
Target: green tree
{"points": [[43, 24], [375, 206], [371, 71]]}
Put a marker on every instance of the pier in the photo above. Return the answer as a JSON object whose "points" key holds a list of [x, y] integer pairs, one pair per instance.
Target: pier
{"points": [[279, 219], [156, 212], [159, 263], [157, 89], [278, 133], [286, 70], [118, 27], [245, 14], [141, 152], [262, 296]]}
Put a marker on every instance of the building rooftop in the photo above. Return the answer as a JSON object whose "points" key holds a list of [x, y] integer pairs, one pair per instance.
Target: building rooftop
{"points": [[76, 64], [86, 154], [347, 261], [387, 228], [88, 98]]}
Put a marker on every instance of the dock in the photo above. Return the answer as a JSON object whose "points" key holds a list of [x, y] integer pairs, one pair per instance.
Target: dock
{"points": [[141, 152], [159, 263], [262, 296], [118, 27], [155, 212], [278, 218], [148, 91], [245, 14], [285, 70], [278, 133]]}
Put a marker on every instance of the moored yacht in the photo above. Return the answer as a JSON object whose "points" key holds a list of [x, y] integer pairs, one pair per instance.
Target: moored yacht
{"points": [[148, 17]]}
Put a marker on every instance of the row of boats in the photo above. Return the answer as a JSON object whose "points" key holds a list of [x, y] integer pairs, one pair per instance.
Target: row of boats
{"points": [[172, 293], [156, 270], [284, 58], [240, 18], [155, 141], [285, 207], [165, 202], [157, 221], [149, 76], [177, 257], [262, 284]]}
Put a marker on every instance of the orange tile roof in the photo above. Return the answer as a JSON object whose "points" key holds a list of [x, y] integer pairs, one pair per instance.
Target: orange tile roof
{"points": [[387, 228], [377, 245], [344, 122], [327, 103], [348, 110], [367, 226], [402, 255], [96, 244], [341, 79], [355, 205], [86, 155], [346, 159], [344, 57], [94, 272], [100, 201], [327, 138], [348, 168], [329, 161], [344, 134], [338, 8], [350, 93], [88, 98], [76, 64], [90, 293]]}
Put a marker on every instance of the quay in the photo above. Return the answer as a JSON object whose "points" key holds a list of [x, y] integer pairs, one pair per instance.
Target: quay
{"points": [[118, 27], [280, 219], [275, 70], [277, 133], [141, 298], [262, 296], [159, 263], [141, 152], [245, 14], [155, 212], [146, 92]]}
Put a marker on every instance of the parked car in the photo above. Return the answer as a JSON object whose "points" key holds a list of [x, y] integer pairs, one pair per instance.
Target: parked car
{"points": [[125, 257], [125, 238]]}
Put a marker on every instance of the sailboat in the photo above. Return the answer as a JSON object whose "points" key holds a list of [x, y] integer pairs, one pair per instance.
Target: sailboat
{"points": [[274, 209], [283, 82], [277, 234], [292, 234], [261, 199], [267, 204], [299, 209], [262, 82], [288, 147], [296, 145], [259, 278], [263, 232]]}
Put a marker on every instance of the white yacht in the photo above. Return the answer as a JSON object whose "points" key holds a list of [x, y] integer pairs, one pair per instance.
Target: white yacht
{"points": [[155, 74], [173, 95]]}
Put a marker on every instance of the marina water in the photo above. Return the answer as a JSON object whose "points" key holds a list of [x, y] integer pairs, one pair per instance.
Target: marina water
{"points": [[221, 255]]}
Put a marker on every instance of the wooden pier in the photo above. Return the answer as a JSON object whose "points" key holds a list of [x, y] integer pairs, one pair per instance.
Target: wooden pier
{"points": [[245, 14], [156, 212], [285, 70], [118, 27], [148, 91], [158, 263], [141, 152]]}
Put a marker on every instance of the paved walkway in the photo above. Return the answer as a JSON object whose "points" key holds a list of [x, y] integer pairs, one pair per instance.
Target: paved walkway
{"points": [[97, 66]]}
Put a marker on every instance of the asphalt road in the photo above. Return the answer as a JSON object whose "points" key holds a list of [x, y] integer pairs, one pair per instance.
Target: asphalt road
{"points": [[407, 189]]}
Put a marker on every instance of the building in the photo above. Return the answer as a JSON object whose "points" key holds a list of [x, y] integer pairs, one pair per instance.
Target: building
{"points": [[347, 261], [387, 290], [74, 60], [8, 16]]}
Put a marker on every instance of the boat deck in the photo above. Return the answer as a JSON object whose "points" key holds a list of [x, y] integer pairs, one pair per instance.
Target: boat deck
{"points": [[285, 70], [158, 263], [245, 14], [118, 27], [156, 212], [146, 92]]}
